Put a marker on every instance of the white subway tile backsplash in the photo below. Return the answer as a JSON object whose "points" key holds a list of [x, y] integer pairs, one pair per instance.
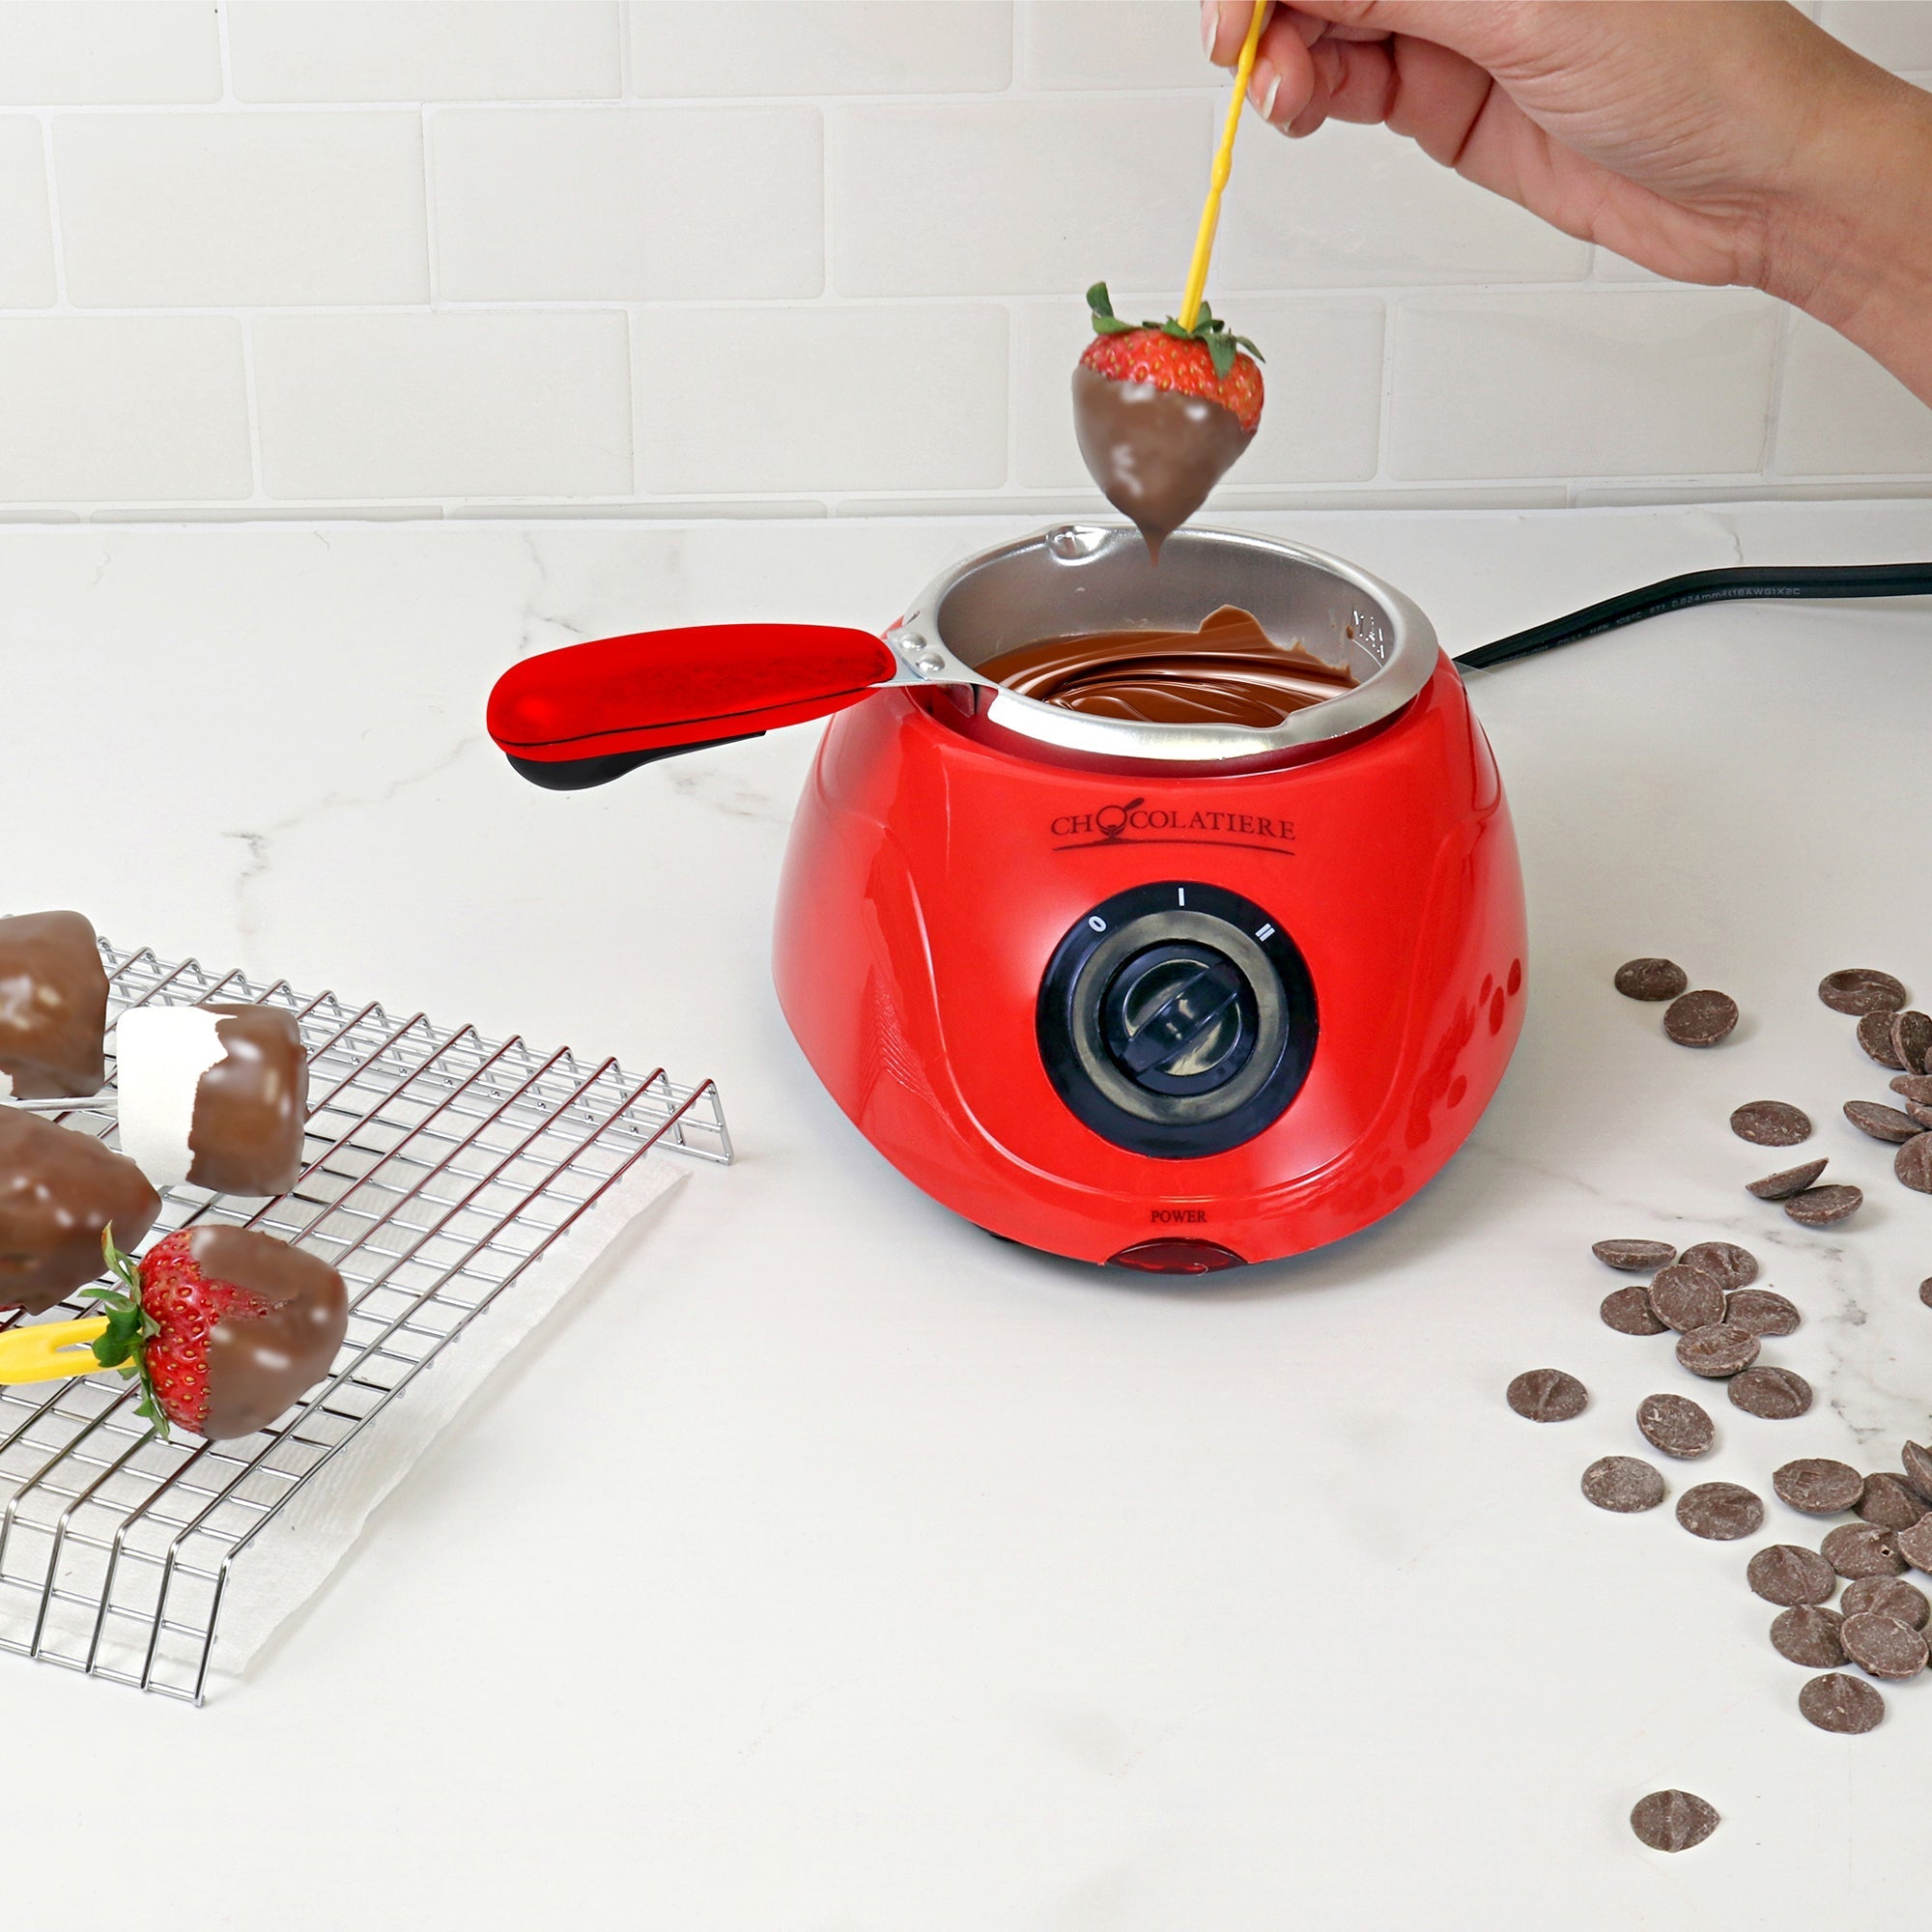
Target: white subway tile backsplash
{"points": [[475, 404], [343, 50], [150, 409], [108, 52], [1015, 197], [1894, 33], [1841, 415], [1323, 377], [747, 47], [644, 204], [202, 210], [1357, 206], [26, 231], [1596, 382], [1079, 43], [822, 398]]}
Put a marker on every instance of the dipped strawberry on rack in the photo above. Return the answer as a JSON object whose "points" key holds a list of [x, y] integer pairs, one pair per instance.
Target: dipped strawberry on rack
{"points": [[224, 1327], [1162, 411]]}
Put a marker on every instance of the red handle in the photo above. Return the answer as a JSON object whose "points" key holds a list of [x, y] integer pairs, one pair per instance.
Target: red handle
{"points": [[623, 700]]}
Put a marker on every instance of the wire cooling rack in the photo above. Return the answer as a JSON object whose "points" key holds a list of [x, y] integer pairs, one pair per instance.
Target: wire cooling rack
{"points": [[439, 1166]]}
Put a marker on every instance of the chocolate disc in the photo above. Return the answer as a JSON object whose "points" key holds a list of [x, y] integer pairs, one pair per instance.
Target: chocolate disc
{"points": [[1840, 1703], [1818, 1486], [1770, 1124], [1920, 1113], [1808, 1636], [1861, 990], [1786, 1181], [1914, 1545], [1910, 1040], [1701, 1019], [1628, 1312], [1717, 1350], [1891, 1501], [1721, 1512], [1672, 1821], [1825, 1206], [1888, 1597], [1882, 1645], [1651, 980], [1925, 1291], [1687, 1297], [1915, 1086], [1676, 1425], [1917, 1468], [1635, 1257], [1882, 1123], [1875, 1037], [1623, 1483], [1783, 1573], [1863, 1549], [1761, 1312], [1548, 1395], [1912, 1163], [1731, 1265], [1779, 1395]]}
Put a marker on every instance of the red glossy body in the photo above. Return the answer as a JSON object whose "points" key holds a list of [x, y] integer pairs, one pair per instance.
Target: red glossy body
{"points": [[933, 870]]}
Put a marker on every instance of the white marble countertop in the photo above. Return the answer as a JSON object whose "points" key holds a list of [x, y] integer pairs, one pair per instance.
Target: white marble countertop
{"points": [[892, 1576]]}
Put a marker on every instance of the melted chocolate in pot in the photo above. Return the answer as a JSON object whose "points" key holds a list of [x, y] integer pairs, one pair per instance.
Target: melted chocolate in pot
{"points": [[1155, 454], [1229, 671]]}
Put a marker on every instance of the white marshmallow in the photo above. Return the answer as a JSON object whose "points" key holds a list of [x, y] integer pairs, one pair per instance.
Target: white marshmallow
{"points": [[160, 1054]]}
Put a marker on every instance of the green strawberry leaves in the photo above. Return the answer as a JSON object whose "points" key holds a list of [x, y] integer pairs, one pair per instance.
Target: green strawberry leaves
{"points": [[1209, 329], [125, 1345]]}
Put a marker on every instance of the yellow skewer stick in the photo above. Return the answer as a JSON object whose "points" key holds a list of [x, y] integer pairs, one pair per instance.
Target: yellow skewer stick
{"points": [[1224, 165], [50, 1350]]}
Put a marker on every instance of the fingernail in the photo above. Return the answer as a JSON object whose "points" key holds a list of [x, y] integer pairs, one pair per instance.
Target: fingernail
{"points": [[1211, 22], [1264, 84]]}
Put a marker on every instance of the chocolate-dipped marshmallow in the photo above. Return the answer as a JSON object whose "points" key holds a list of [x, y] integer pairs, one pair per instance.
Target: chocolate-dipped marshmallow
{"points": [[53, 1005], [216, 1096], [59, 1192]]}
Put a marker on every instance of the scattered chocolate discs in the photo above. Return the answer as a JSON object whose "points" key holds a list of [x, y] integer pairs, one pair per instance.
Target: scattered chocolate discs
{"points": [[1863, 1549], [1687, 1297], [1785, 1573], [1818, 1486], [1778, 1395], [1717, 1350], [1548, 1395], [1624, 1484], [1914, 1545], [1891, 1501], [1628, 1312], [1761, 1312], [1875, 1037], [1862, 989], [1882, 1123], [1825, 1206], [1635, 1257], [1808, 1636], [1917, 1468], [1651, 980], [1786, 1181], [1770, 1124], [1841, 1703], [1727, 1264], [1882, 1645], [1890, 1597], [1676, 1425], [1721, 1512], [1910, 1040], [1914, 1086], [1912, 1163], [1701, 1019], [1672, 1821]]}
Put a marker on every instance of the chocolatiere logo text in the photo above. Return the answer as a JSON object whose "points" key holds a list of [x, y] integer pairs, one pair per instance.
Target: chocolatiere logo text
{"points": [[1133, 821]]}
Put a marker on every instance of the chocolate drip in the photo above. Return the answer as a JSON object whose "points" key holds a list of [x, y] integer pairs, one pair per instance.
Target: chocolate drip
{"points": [[1228, 673], [252, 1105], [53, 1004], [58, 1190], [1154, 453], [259, 1364]]}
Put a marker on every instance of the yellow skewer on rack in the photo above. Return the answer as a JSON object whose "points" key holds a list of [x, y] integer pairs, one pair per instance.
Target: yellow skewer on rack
{"points": [[50, 1350], [1223, 164]]}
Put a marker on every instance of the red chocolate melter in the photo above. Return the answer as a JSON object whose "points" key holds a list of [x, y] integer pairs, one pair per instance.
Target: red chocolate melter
{"points": [[58, 1190], [252, 1105], [53, 1005]]}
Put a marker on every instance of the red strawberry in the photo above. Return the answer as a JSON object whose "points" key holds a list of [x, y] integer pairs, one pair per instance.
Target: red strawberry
{"points": [[225, 1327], [1205, 361]]}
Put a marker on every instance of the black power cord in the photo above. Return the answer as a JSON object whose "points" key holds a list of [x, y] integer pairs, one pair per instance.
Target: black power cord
{"points": [[1706, 586]]}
